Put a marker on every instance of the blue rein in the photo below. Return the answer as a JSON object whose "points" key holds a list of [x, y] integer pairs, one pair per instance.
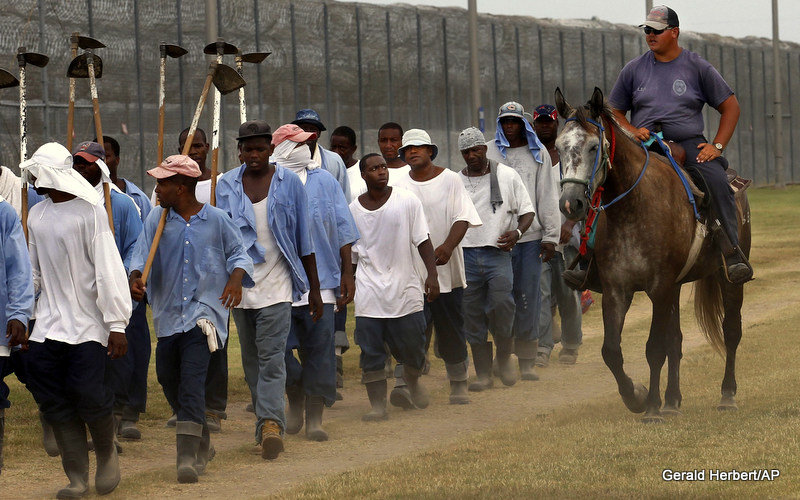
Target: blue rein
{"points": [[597, 165]]}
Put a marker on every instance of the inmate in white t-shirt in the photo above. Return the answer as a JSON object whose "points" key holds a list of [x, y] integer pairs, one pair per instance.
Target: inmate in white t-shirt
{"points": [[388, 284], [359, 187], [445, 202]]}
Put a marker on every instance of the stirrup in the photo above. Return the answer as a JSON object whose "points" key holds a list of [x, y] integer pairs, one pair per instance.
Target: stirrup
{"points": [[738, 271]]}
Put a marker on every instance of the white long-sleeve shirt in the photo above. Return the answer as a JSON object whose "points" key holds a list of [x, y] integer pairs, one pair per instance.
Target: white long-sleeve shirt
{"points": [[78, 270]]}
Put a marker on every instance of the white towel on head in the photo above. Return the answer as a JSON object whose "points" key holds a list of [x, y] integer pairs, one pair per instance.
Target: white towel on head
{"points": [[11, 188], [51, 165]]}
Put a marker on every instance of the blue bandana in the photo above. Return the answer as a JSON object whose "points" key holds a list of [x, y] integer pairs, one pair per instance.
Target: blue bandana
{"points": [[534, 144]]}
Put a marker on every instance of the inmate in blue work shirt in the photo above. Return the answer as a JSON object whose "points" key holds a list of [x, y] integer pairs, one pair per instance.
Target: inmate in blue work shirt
{"points": [[671, 93], [16, 278], [142, 200], [191, 268]]}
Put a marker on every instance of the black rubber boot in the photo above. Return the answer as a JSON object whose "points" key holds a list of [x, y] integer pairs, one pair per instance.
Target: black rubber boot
{"points": [[376, 391], [205, 452], [103, 432], [48, 439], [419, 396], [482, 359], [315, 405], [71, 440], [294, 417], [457, 374], [400, 395], [508, 373], [187, 438], [526, 355]]}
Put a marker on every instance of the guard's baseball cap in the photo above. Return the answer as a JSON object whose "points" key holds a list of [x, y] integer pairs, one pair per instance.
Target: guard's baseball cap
{"points": [[661, 17], [545, 111]]}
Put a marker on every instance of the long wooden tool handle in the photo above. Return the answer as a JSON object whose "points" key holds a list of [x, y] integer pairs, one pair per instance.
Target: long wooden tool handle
{"points": [[154, 246], [24, 208], [187, 145], [98, 130], [162, 83], [214, 170], [71, 109]]}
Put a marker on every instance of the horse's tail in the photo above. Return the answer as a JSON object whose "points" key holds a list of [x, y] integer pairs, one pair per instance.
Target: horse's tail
{"points": [[708, 310]]}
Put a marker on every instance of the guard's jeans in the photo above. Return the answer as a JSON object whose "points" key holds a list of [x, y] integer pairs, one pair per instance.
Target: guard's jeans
{"points": [[568, 300], [722, 196], [262, 337]]}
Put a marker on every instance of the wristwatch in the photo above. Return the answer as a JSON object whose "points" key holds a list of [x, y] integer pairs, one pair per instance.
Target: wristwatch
{"points": [[719, 146]]}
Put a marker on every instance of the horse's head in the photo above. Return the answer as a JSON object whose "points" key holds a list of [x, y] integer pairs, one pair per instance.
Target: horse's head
{"points": [[582, 148]]}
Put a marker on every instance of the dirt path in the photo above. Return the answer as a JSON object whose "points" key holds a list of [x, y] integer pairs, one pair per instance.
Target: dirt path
{"points": [[239, 472]]}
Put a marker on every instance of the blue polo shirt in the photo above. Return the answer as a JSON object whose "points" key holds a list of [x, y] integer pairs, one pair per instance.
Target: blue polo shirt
{"points": [[287, 217], [191, 268]]}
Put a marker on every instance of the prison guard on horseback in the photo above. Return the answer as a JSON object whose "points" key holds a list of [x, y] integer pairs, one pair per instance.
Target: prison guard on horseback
{"points": [[665, 90]]}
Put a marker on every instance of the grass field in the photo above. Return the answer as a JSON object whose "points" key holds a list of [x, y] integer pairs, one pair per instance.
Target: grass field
{"points": [[587, 445]]}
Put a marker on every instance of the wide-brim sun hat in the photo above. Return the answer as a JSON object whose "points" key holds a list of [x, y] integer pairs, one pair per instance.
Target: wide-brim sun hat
{"points": [[51, 166], [417, 137]]}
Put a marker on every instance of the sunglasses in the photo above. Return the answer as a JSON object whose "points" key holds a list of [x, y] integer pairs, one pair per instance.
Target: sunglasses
{"points": [[652, 31]]}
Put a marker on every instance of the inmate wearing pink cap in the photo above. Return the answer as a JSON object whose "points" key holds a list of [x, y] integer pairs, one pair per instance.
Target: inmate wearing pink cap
{"points": [[292, 133], [175, 165]]}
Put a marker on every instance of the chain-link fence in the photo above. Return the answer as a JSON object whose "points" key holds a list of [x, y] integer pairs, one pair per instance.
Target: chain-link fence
{"points": [[358, 65]]}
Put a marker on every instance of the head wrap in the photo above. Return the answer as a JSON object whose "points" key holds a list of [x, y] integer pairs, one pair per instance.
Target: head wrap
{"points": [[51, 165]]}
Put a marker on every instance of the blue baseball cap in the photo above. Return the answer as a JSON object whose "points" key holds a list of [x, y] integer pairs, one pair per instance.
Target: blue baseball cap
{"points": [[308, 116]]}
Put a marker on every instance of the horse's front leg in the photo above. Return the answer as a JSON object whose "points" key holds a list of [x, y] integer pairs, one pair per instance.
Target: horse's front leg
{"points": [[664, 328], [615, 305], [732, 297]]}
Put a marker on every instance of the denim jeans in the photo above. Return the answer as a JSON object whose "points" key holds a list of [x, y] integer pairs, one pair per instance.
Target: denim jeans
{"points": [[405, 337], [567, 299], [128, 374], [262, 337], [68, 380], [527, 267], [488, 299], [181, 363], [340, 334], [315, 372]]}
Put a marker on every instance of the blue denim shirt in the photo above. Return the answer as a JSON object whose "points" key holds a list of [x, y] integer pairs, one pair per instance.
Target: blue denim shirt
{"points": [[191, 268], [332, 225], [16, 278], [287, 216], [142, 200], [334, 164], [127, 224]]}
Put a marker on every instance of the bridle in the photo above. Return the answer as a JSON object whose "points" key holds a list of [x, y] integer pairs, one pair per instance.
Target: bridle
{"points": [[603, 162]]}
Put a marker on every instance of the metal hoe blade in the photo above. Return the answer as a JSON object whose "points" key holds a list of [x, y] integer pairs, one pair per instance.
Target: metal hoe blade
{"points": [[174, 51], [32, 58], [255, 57], [7, 80], [227, 79], [79, 67], [85, 42], [227, 48]]}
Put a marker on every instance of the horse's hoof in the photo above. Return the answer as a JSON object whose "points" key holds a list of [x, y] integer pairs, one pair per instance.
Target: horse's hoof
{"points": [[637, 403], [653, 419], [670, 411], [727, 403]]}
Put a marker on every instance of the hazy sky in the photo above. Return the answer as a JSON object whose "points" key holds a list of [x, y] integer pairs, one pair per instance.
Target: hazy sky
{"points": [[738, 18]]}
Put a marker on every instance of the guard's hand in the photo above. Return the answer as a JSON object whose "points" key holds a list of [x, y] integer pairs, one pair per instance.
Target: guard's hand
{"points": [[548, 250], [641, 134], [507, 240], [432, 287], [566, 231], [117, 345], [232, 294], [348, 290], [442, 254], [315, 304], [15, 333], [137, 286], [707, 152]]}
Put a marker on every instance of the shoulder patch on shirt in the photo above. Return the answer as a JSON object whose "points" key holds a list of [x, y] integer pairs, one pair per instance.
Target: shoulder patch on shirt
{"points": [[679, 87]]}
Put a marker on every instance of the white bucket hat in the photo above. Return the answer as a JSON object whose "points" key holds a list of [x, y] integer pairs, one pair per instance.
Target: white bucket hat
{"points": [[51, 165], [417, 137]]}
